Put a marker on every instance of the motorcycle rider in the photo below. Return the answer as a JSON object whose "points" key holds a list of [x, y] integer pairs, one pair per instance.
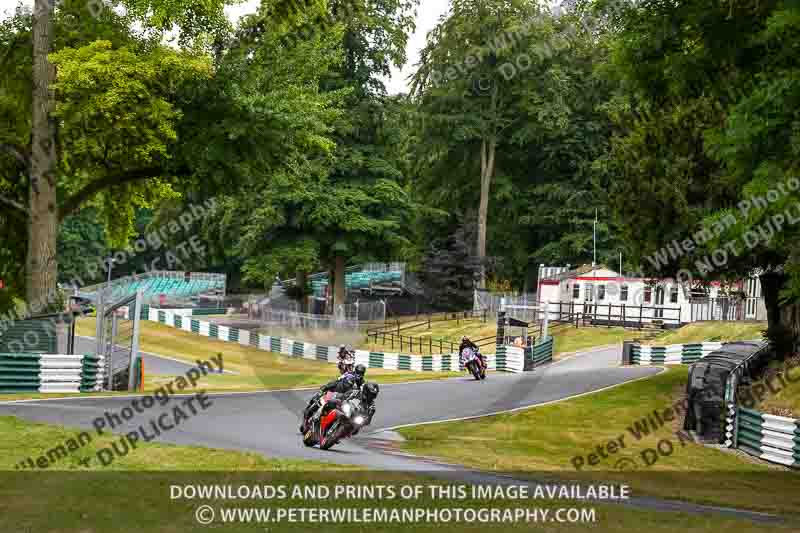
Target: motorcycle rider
{"points": [[344, 383], [345, 352], [466, 343], [368, 394]]}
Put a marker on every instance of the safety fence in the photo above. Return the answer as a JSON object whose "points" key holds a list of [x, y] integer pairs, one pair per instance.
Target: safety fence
{"points": [[447, 362], [34, 372], [772, 438], [672, 354]]}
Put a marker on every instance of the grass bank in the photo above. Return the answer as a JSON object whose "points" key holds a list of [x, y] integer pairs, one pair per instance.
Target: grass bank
{"points": [[551, 440], [135, 494], [714, 331]]}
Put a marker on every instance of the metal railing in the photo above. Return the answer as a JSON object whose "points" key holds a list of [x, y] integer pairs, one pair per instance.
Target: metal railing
{"points": [[597, 314], [392, 335]]}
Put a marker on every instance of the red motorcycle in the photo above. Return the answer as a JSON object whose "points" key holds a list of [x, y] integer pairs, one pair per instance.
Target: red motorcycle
{"points": [[342, 416]]}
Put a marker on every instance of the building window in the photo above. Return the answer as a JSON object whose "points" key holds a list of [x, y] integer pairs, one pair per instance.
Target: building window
{"points": [[648, 294], [601, 292], [673, 295], [623, 293], [576, 291]]}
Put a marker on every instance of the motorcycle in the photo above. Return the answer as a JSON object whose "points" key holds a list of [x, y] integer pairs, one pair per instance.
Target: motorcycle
{"points": [[347, 364], [474, 362], [342, 416]]}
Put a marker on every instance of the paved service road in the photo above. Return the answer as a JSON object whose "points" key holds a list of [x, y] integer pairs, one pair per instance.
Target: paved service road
{"points": [[267, 422]]}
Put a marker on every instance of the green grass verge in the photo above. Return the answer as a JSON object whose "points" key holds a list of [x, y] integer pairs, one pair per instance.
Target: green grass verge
{"points": [[546, 439], [716, 331], [21, 439], [133, 493]]}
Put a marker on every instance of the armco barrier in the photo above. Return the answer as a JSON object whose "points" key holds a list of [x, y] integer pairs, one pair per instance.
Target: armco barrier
{"points": [[672, 354], [773, 438], [508, 358], [33, 372]]}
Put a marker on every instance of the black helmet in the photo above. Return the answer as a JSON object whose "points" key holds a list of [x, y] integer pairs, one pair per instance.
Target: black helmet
{"points": [[360, 370], [370, 392]]}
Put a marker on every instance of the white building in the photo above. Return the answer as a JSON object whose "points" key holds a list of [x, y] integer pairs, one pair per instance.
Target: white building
{"points": [[604, 296]]}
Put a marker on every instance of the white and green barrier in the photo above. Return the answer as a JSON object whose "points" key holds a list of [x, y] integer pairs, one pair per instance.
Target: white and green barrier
{"points": [[772, 438], [542, 352], [508, 358], [34, 372], [517, 359], [672, 354], [189, 311]]}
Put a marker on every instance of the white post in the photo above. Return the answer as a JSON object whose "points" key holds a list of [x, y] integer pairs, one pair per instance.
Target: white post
{"points": [[137, 309], [546, 319], [594, 239]]}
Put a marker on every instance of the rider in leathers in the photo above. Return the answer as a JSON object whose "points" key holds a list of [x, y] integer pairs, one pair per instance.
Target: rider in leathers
{"points": [[345, 383], [466, 343]]}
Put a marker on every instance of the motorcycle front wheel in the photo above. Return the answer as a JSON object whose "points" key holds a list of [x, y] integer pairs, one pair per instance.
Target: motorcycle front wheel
{"points": [[473, 368], [308, 438], [332, 438]]}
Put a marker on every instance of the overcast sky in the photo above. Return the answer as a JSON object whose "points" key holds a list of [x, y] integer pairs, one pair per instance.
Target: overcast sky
{"points": [[428, 14]]}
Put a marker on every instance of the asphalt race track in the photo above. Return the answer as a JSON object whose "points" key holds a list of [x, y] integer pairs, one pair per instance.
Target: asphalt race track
{"points": [[267, 422]]}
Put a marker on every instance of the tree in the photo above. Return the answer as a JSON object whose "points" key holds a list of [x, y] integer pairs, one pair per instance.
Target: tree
{"points": [[484, 69], [47, 173], [706, 125], [333, 191], [450, 270]]}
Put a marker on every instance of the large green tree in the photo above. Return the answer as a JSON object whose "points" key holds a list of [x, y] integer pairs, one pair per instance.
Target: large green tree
{"points": [[706, 118], [59, 182], [486, 72]]}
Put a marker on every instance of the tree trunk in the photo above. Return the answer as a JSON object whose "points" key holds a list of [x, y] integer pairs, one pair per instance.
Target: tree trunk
{"points": [[488, 145], [41, 266], [771, 284], [338, 284], [487, 171], [300, 281]]}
